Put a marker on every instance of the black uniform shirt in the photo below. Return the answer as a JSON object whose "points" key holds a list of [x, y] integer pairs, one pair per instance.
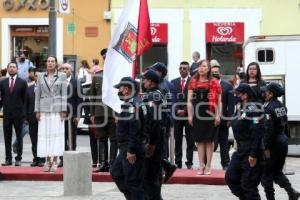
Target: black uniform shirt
{"points": [[276, 121], [153, 99], [248, 130], [129, 127]]}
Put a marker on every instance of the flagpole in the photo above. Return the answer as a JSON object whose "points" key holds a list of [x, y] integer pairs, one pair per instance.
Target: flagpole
{"points": [[141, 65]]}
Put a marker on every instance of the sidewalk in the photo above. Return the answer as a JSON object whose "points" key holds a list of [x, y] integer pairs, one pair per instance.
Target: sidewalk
{"points": [[45, 190]]}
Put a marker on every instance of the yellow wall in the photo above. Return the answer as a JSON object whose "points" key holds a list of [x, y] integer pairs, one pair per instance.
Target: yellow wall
{"points": [[86, 13], [279, 17]]}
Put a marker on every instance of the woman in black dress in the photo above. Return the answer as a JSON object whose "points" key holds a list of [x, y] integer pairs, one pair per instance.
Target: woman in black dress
{"points": [[204, 99]]}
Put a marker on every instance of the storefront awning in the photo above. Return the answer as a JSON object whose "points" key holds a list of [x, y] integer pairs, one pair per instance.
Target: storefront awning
{"points": [[225, 32]]}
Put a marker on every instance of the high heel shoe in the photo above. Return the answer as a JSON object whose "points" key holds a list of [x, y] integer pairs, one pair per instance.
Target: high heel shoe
{"points": [[200, 171], [47, 167], [53, 167], [207, 171]]}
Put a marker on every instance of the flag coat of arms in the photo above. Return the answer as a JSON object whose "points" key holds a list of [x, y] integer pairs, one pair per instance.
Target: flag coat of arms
{"points": [[131, 38]]}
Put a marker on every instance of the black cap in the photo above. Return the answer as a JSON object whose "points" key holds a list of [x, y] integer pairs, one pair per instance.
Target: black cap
{"points": [[151, 75], [276, 89], [31, 69], [245, 88], [127, 81], [160, 67], [103, 52]]}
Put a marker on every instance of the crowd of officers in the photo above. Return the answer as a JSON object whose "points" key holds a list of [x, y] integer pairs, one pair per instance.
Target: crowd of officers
{"points": [[140, 134], [260, 128]]}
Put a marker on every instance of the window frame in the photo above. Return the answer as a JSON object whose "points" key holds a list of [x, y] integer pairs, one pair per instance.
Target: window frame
{"points": [[265, 54]]}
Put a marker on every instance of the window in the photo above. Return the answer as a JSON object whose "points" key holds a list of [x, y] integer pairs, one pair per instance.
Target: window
{"points": [[265, 55]]}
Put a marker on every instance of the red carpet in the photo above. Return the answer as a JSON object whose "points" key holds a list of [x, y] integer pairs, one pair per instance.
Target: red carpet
{"points": [[181, 176]]}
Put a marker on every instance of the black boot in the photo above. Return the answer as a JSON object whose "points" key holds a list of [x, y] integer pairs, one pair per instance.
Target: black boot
{"points": [[169, 169], [293, 194], [103, 164]]}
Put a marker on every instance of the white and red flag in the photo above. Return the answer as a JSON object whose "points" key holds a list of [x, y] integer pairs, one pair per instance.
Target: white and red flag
{"points": [[132, 37]]}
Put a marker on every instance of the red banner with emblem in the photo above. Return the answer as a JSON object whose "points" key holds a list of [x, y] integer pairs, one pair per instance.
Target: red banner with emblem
{"points": [[225, 32], [159, 33]]}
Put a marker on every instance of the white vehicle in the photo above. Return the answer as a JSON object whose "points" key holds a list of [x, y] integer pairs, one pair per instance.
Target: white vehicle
{"points": [[82, 127], [279, 60]]}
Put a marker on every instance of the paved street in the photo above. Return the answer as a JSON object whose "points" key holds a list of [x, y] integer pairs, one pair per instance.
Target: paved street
{"points": [[54, 190]]}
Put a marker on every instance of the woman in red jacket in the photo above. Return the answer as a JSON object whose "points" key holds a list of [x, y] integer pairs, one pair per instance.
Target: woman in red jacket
{"points": [[204, 99]]}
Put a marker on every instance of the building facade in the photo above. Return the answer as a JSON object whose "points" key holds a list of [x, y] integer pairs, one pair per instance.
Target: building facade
{"points": [[82, 30], [217, 29]]}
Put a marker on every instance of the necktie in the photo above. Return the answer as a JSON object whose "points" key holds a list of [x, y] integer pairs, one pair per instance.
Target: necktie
{"points": [[11, 88], [182, 84]]}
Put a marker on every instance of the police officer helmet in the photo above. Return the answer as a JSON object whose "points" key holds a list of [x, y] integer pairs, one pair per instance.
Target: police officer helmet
{"points": [[151, 75], [245, 88], [160, 67], [276, 89], [128, 81]]}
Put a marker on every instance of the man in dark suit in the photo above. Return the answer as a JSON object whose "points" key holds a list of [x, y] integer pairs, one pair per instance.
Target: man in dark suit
{"points": [[227, 113], [181, 122], [13, 94], [73, 101], [32, 120]]}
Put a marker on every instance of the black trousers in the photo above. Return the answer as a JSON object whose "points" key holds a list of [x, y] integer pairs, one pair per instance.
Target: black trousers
{"points": [[74, 135], [274, 165], [242, 179], [94, 147], [178, 134], [166, 143], [222, 140], [129, 177], [153, 178], [33, 133], [99, 149], [7, 128], [103, 134]]}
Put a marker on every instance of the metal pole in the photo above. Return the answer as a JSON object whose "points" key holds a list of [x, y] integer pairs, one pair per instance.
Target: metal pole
{"points": [[70, 139], [52, 29]]}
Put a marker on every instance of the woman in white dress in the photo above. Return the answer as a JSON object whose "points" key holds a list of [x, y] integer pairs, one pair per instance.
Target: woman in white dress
{"points": [[50, 108]]}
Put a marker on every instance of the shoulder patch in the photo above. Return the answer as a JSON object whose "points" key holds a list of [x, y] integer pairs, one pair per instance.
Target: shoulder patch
{"points": [[131, 110], [280, 112]]}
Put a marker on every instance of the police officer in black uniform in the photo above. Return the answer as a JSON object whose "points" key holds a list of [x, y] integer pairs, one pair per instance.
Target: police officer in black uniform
{"points": [[276, 143], [244, 171], [128, 168], [153, 98], [167, 89]]}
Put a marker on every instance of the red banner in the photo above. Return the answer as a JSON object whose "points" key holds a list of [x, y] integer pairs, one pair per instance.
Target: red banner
{"points": [[225, 32], [159, 33]]}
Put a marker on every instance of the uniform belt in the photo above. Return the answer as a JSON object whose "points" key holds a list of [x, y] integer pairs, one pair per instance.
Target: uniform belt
{"points": [[124, 146]]}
